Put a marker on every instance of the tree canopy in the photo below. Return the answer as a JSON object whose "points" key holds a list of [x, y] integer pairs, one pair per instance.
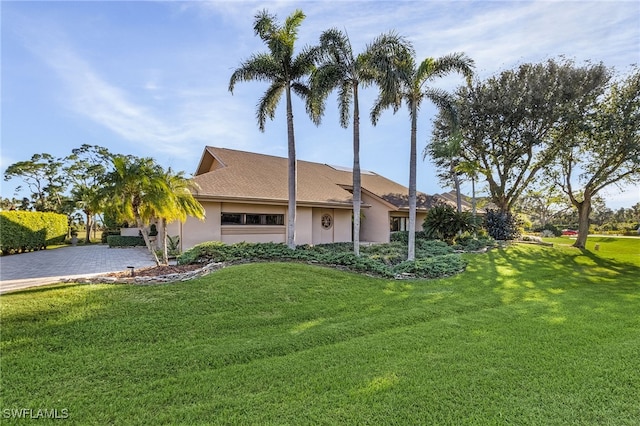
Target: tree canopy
{"points": [[510, 122]]}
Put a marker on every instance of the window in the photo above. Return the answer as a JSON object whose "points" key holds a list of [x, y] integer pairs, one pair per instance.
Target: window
{"points": [[251, 219], [327, 221], [399, 224]]}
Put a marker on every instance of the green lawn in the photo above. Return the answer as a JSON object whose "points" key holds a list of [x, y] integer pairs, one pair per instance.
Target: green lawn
{"points": [[527, 335]]}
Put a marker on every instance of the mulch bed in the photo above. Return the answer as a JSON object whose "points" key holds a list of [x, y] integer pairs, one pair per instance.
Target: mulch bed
{"points": [[156, 271]]}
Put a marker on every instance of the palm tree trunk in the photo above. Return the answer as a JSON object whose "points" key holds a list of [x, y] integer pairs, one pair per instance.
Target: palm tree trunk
{"points": [[145, 237], [411, 251], [293, 174], [357, 178], [87, 239], [165, 249], [473, 205], [456, 184]]}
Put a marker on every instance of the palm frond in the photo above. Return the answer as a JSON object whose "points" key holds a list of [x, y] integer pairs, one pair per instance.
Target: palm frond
{"points": [[268, 103], [260, 67]]}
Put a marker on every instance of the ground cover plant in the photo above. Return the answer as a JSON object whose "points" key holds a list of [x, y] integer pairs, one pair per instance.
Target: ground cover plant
{"points": [[526, 335], [433, 258]]}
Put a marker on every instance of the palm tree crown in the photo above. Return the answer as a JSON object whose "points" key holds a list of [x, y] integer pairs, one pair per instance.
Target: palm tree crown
{"points": [[339, 69], [411, 85]]}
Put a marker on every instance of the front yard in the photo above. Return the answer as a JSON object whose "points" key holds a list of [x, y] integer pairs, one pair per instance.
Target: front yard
{"points": [[526, 335]]}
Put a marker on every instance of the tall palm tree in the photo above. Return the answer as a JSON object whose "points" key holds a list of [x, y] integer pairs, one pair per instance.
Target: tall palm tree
{"points": [[176, 204], [412, 87], [340, 69], [285, 73], [131, 190]]}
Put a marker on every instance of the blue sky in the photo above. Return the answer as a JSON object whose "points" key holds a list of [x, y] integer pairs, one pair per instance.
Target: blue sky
{"points": [[150, 78]]}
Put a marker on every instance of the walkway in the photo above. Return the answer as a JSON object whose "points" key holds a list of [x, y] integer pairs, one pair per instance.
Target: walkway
{"points": [[50, 266]]}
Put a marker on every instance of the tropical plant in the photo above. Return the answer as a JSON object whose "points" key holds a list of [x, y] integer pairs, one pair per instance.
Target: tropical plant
{"points": [[444, 222], [340, 69], [410, 83], [285, 73], [135, 189], [174, 201]]}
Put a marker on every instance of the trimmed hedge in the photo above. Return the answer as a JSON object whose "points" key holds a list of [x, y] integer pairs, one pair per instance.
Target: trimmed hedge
{"points": [[22, 231], [124, 241]]}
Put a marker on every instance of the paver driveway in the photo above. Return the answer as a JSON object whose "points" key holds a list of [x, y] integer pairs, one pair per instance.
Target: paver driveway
{"points": [[50, 266]]}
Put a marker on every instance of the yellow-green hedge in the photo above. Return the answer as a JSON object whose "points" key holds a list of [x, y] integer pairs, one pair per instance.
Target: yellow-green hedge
{"points": [[22, 231]]}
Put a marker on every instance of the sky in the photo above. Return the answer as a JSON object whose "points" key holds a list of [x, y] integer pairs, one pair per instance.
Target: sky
{"points": [[150, 78]]}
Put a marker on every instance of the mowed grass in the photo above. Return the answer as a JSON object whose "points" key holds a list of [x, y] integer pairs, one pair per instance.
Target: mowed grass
{"points": [[528, 335]]}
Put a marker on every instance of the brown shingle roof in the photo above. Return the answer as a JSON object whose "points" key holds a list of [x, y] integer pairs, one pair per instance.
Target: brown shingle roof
{"points": [[231, 174]]}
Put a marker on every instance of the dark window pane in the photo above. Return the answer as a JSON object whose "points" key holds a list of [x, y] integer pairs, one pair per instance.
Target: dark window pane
{"points": [[231, 219], [252, 219], [274, 219]]}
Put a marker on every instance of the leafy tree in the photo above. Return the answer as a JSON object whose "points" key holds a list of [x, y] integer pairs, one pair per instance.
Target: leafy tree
{"points": [[411, 85], [600, 149], [508, 122], [543, 204], [86, 170], [42, 175], [285, 73], [340, 69], [135, 189]]}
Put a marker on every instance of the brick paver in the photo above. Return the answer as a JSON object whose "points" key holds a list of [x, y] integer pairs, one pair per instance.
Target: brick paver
{"points": [[50, 266]]}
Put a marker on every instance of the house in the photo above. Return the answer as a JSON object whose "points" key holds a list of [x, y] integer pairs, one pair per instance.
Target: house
{"points": [[245, 197]]}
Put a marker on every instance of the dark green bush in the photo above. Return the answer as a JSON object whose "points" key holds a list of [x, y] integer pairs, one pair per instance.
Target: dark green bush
{"points": [[549, 227], [22, 231], [443, 222], [433, 267], [502, 225], [108, 232], [378, 259], [468, 243], [124, 241], [403, 236]]}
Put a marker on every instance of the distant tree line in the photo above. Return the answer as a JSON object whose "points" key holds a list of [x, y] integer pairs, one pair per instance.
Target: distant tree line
{"points": [[94, 181]]}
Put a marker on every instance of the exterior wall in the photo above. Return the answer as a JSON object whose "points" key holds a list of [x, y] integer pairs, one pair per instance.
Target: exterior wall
{"points": [[194, 231], [374, 225], [304, 225], [340, 230], [231, 234], [342, 225], [309, 228]]}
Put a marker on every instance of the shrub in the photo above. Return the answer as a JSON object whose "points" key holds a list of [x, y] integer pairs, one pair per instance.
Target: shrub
{"points": [[444, 222], [502, 225], [23, 231], [468, 243], [108, 232], [555, 231], [548, 233], [379, 259], [124, 241], [439, 266]]}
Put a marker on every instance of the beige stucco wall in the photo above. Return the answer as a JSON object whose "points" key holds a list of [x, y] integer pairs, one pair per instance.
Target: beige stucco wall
{"points": [[304, 225], [374, 226], [194, 231]]}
